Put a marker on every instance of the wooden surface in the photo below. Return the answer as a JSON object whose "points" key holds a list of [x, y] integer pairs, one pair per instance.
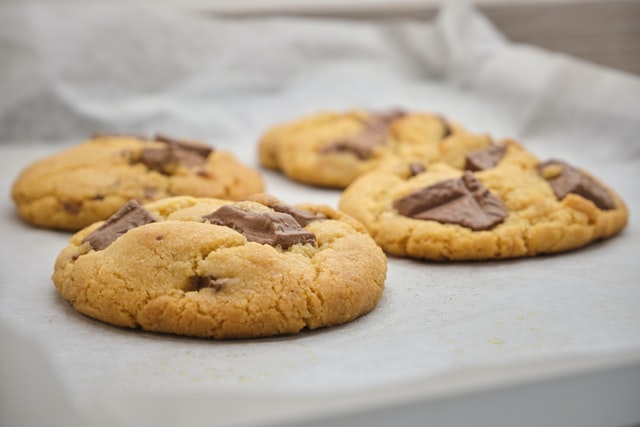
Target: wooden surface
{"points": [[605, 32]]}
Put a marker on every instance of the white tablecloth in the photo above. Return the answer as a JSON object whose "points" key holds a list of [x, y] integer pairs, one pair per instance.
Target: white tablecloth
{"points": [[441, 330]]}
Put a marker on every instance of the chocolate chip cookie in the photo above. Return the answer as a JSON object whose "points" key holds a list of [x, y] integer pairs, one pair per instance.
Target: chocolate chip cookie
{"points": [[90, 181], [332, 149], [213, 268], [491, 210]]}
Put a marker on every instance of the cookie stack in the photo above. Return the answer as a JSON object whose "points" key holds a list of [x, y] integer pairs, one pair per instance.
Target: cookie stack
{"points": [[178, 237]]}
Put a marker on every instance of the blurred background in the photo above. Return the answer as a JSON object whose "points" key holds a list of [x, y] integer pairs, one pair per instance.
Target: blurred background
{"points": [[606, 32], [71, 68]]}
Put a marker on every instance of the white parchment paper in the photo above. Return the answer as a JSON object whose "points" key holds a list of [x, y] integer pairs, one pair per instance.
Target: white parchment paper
{"points": [[71, 70]]}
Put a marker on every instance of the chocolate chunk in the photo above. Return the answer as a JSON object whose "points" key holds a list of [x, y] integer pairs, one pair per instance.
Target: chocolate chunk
{"points": [[302, 216], [148, 192], [564, 179], [158, 159], [129, 216], [464, 201], [72, 207], [416, 168], [374, 134], [486, 158], [175, 153], [199, 282], [196, 147], [272, 228], [447, 131], [387, 118]]}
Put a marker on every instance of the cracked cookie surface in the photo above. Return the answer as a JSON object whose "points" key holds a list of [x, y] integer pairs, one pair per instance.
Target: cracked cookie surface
{"points": [[178, 271], [331, 149], [90, 181], [505, 211]]}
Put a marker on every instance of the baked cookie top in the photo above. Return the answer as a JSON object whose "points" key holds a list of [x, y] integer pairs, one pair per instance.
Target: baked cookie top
{"points": [[212, 268], [90, 181], [331, 149], [466, 153], [504, 211]]}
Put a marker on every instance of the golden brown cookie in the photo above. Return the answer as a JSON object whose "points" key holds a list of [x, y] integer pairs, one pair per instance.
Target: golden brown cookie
{"points": [[333, 149], [90, 181], [213, 268], [504, 211]]}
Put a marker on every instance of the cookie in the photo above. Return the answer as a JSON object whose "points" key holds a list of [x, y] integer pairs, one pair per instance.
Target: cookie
{"points": [[213, 268], [332, 149], [90, 181], [503, 211]]}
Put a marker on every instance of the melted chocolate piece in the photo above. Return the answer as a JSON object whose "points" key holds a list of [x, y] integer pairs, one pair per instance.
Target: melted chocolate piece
{"points": [[271, 228], [129, 216], [571, 180], [157, 159], [416, 168], [302, 216], [447, 127], [202, 149], [486, 158], [388, 118], [175, 153], [72, 207], [199, 282], [148, 193], [464, 201], [374, 134]]}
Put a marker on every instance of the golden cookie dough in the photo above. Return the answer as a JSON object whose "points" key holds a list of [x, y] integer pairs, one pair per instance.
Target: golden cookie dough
{"points": [[178, 273], [466, 152], [90, 181], [536, 220], [331, 149]]}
